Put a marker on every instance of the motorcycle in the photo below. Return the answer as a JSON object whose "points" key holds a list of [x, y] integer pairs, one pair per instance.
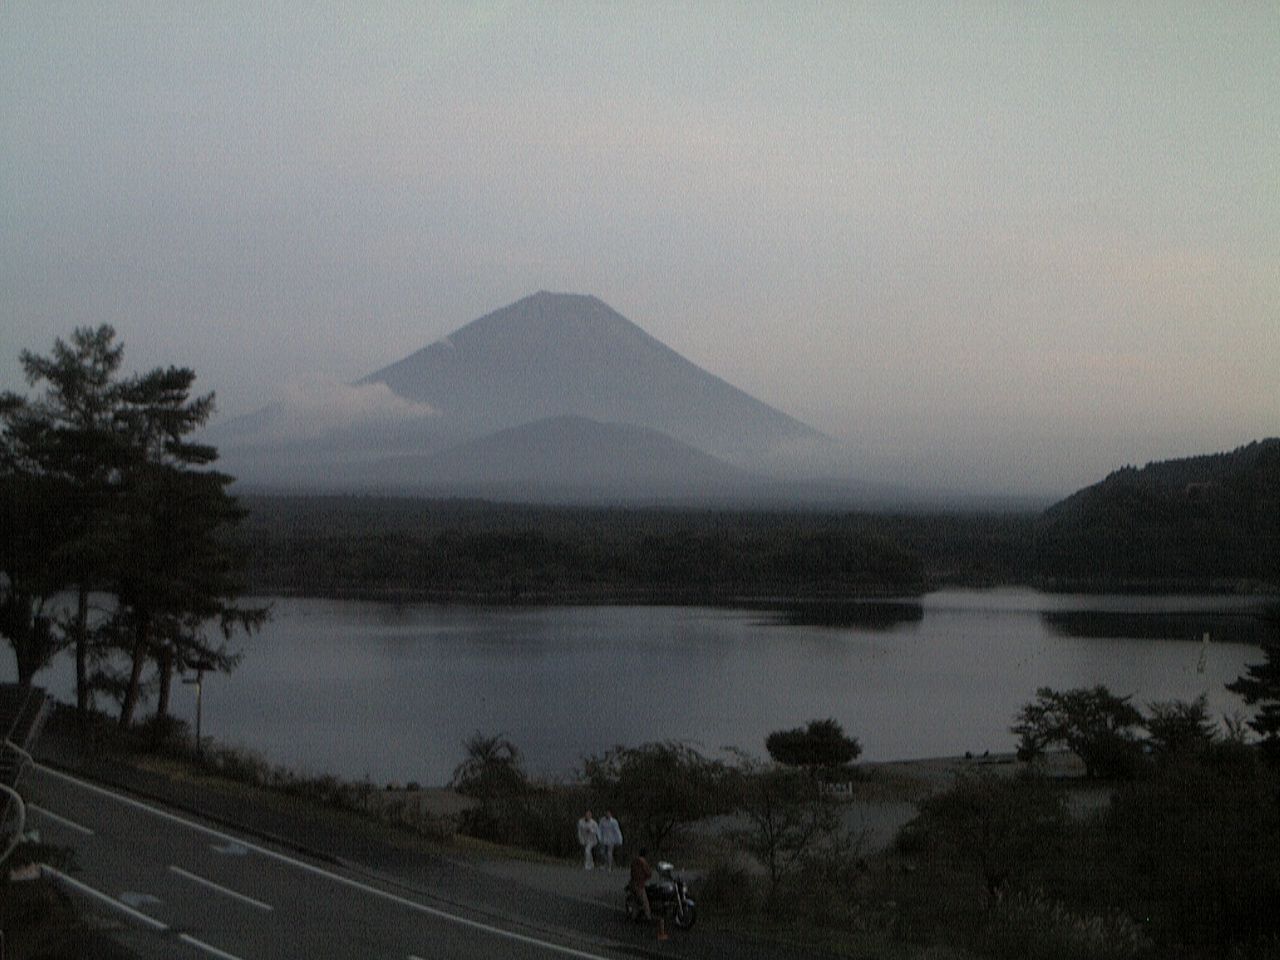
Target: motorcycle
{"points": [[668, 895]]}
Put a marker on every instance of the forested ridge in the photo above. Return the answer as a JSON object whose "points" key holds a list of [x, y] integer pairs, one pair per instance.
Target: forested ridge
{"points": [[382, 546], [1203, 523], [1210, 522]]}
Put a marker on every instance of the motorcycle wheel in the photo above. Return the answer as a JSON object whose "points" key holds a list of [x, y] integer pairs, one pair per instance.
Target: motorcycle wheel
{"points": [[686, 916]]}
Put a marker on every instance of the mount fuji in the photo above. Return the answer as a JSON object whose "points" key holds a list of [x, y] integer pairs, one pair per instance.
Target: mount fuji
{"points": [[557, 396]]}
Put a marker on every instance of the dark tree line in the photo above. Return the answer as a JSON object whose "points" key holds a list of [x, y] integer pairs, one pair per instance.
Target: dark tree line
{"points": [[103, 493], [378, 546], [1202, 523], [1211, 521]]}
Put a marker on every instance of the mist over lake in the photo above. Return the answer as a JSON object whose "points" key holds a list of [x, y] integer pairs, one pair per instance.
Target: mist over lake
{"points": [[389, 692]]}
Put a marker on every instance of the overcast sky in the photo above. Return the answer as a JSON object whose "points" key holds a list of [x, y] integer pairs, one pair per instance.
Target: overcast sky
{"points": [[991, 246]]}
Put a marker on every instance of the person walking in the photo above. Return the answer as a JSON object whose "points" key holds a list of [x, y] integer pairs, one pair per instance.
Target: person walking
{"points": [[610, 837], [588, 836]]}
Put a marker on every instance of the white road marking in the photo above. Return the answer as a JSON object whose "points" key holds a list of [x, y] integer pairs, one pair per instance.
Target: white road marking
{"points": [[231, 849], [135, 898], [318, 871], [226, 891], [151, 922], [84, 888], [70, 824], [207, 948]]}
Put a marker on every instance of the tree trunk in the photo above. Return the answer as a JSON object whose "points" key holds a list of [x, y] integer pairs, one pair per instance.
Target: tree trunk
{"points": [[164, 660], [133, 692], [27, 663], [82, 652]]}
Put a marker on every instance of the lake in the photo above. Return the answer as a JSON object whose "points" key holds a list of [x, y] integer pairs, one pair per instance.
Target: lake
{"points": [[389, 692]]}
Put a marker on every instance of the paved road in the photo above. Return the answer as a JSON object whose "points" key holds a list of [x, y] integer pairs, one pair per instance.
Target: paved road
{"points": [[187, 889], [331, 873]]}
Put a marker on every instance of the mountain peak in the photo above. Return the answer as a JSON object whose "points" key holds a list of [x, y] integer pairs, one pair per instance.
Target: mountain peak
{"points": [[570, 354], [561, 382]]}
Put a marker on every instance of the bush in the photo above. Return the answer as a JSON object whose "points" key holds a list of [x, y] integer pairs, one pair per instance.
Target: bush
{"points": [[1028, 926], [539, 818], [997, 829], [662, 787], [1178, 728], [731, 889], [166, 733], [1197, 849], [786, 818]]}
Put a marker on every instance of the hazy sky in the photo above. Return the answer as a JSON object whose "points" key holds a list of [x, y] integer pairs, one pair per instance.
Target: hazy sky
{"points": [[1006, 246]]}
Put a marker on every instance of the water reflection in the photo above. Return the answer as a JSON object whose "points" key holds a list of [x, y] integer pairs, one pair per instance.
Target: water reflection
{"points": [[1249, 627], [390, 693], [875, 615]]}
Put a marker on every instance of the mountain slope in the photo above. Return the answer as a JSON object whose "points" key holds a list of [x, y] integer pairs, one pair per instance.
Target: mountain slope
{"points": [[1209, 521], [568, 458], [556, 392], [552, 355]]}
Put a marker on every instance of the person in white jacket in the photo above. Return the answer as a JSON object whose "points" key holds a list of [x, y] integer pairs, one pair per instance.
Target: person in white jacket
{"points": [[610, 837], [588, 836]]}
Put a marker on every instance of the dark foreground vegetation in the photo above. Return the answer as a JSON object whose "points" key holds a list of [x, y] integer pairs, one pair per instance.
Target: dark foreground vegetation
{"points": [[1179, 858], [1167, 846]]}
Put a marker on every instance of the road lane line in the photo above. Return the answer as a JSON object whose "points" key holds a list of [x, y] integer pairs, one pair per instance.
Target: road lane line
{"points": [[70, 824], [84, 888], [207, 948], [226, 891], [154, 811], [318, 871]]}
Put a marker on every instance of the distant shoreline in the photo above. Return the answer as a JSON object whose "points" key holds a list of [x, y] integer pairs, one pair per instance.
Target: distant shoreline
{"points": [[593, 597], [1267, 594]]}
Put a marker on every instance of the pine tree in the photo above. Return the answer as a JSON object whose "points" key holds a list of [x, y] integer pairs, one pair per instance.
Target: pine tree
{"points": [[132, 511], [1260, 686], [71, 439]]}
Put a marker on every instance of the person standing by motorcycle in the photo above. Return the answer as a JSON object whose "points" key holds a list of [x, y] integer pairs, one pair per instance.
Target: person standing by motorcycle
{"points": [[640, 874], [588, 836], [610, 837]]}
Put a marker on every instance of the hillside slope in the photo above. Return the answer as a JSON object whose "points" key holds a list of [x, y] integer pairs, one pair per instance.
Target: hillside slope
{"points": [[1210, 521], [567, 459]]}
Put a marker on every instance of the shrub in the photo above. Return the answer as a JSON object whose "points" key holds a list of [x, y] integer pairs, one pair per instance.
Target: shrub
{"points": [[661, 787], [1178, 728], [785, 819], [1197, 848], [1028, 926], [166, 733], [996, 828], [729, 888], [541, 818]]}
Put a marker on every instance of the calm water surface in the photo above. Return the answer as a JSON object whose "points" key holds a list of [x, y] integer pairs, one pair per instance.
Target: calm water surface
{"points": [[390, 692]]}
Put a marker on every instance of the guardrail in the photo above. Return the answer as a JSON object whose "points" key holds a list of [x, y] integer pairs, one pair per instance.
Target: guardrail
{"points": [[22, 713]]}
